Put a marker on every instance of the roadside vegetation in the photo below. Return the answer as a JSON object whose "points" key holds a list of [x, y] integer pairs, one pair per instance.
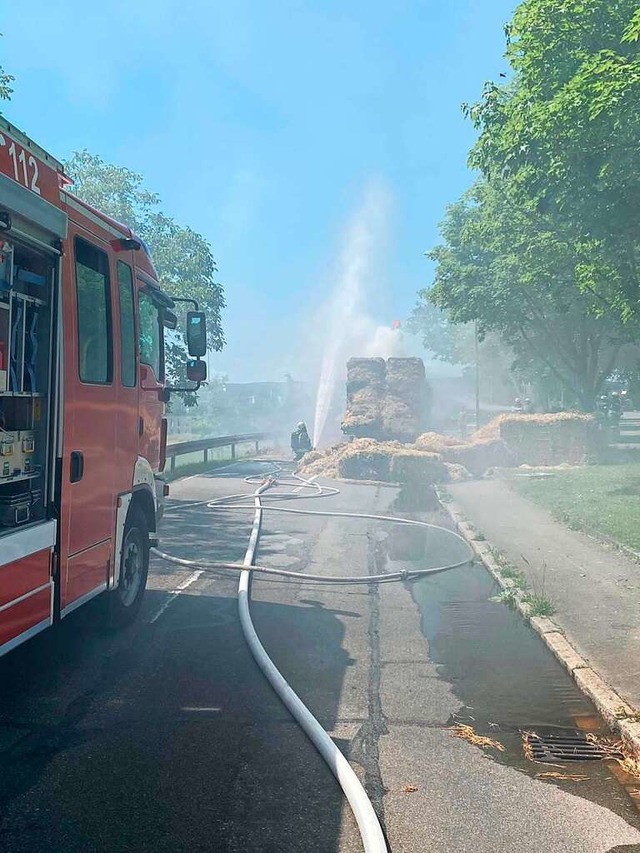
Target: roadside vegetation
{"points": [[603, 500], [518, 590], [182, 257], [5, 85], [538, 261]]}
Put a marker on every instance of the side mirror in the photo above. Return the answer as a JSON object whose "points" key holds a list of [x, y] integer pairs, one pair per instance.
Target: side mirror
{"points": [[169, 319], [196, 370], [196, 334]]}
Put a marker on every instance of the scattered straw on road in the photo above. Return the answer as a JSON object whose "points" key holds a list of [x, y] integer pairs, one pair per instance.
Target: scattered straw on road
{"points": [[469, 734]]}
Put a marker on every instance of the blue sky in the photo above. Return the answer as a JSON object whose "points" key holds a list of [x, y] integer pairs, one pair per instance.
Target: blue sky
{"points": [[262, 125]]}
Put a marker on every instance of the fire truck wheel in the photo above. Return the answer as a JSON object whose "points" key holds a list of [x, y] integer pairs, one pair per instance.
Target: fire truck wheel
{"points": [[134, 566]]}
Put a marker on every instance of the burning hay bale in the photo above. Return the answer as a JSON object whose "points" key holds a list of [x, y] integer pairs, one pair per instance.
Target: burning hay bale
{"points": [[400, 419], [418, 471], [366, 459], [457, 473], [405, 376], [515, 439], [550, 439], [543, 439], [365, 395], [435, 442], [365, 465], [364, 414], [417, 466], [509, 440], [362, 372], [360, 459], [385, 400], [478, 456], [383, 461], [404, 407], [320, 463]]}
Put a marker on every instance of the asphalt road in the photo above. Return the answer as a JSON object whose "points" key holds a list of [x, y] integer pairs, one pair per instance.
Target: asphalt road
{"points": [[166, 737]]}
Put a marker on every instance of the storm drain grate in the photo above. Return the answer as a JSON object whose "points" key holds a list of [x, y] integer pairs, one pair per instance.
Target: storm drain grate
{"points": [[566, 746]]}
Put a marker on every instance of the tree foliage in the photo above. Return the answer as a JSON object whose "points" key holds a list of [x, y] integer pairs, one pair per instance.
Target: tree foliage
{"points": [[6, 90], [544, 249], [225, 408], [510, 269], [5, 85], [455, 343], [564, 132], [446, 340], [182, 257]]}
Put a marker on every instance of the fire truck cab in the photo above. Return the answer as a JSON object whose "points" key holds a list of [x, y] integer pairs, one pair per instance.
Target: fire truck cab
{"points": [[82, 393]]}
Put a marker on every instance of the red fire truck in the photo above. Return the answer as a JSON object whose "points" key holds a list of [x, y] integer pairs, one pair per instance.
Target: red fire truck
{"points": [[82, 394]]}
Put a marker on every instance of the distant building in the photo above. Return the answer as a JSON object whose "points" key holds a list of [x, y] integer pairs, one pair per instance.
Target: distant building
{"points": [[260, 393]]}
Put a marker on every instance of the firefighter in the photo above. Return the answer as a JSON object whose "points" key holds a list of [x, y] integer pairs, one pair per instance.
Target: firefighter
{"points": [[615, 406], [602, 406], [300, 441], [614, 414]]}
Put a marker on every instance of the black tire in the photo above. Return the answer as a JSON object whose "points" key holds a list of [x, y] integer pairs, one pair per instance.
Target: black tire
{"points": [[134, 568]]}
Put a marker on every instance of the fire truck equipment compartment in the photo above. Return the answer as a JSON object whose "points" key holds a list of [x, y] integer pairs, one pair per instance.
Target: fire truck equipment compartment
{"points": [[25, 357]]}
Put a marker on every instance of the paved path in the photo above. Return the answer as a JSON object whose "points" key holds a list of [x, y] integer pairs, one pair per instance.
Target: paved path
{"points": [[167, 739], [595, 588]]}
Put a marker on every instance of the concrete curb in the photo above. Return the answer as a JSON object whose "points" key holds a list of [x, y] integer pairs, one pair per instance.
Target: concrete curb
{"points": [[618, 714]]}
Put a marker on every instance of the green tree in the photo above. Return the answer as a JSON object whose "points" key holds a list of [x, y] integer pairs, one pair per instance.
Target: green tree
{"points": [[5, 85], [510, 269], [455, 343], [439, 335], [564, 131], [6, 90], [182, 257]]}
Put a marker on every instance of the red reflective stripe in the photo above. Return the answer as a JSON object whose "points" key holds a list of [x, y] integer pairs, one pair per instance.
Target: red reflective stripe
{"points": [[23, 575], [25, 615]]}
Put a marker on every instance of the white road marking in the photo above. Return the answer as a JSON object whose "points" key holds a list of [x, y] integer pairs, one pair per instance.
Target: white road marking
{"points": [[175, 593], [190, 710]]}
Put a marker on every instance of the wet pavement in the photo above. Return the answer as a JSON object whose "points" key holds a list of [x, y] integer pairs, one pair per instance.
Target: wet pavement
{"points": [[595, 589], [510, 683], [167, 738], [503, 674]]}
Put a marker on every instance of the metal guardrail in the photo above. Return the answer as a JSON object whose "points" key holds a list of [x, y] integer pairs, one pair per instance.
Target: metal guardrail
{"points": [[204, 445]]}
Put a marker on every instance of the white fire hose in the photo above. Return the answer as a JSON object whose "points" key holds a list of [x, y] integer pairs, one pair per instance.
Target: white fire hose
{"points": [[368, 824]]}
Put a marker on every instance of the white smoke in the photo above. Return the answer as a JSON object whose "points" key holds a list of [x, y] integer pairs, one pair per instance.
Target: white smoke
{"points": [[384, 342]]}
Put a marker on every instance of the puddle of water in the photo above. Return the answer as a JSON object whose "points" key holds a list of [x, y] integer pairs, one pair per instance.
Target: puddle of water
{"points": [[496, 663], [498, 667]]}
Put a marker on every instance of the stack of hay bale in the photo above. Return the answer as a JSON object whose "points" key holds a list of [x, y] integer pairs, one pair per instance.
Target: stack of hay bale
{"points": [[386, 401], [509, 440], [476, 456], [566, 437], [386, 409], [403, 409], [366, 390]]}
